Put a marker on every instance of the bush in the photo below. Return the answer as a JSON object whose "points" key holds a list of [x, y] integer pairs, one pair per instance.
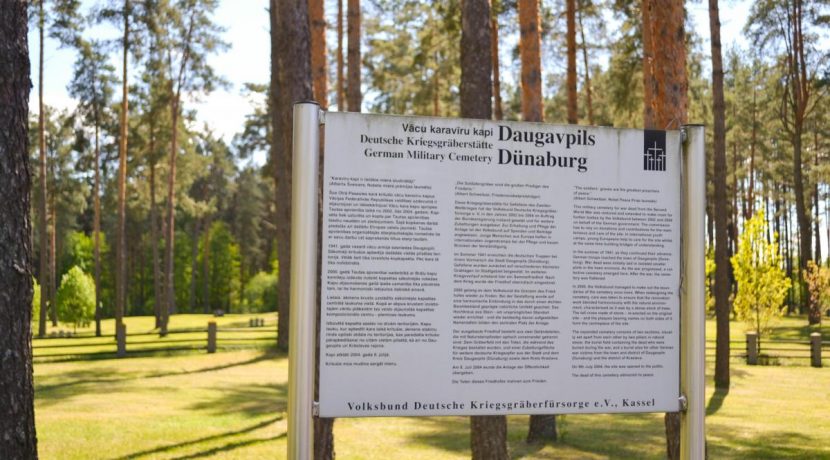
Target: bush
{"points": [[261, 293], [76, 297], [818, 284], [762, 283]]}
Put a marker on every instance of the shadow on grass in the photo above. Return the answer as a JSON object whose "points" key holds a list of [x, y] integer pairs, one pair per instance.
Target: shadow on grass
{"points": [[156, 352], [449, 433], [585, 436], [229, 447], [734, 444], [253, 400], [84, 381], [716, 401], [598, 435], [211, 438]]}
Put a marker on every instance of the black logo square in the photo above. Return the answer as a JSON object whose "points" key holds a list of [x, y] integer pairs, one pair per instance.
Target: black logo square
{"points": [[654, 150]]}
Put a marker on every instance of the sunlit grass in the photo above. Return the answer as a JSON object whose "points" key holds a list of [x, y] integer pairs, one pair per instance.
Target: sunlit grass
{"points": [[233, 405]]}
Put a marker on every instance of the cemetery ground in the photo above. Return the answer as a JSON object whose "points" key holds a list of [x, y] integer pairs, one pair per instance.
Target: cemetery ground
{"points": [[170, 399]]}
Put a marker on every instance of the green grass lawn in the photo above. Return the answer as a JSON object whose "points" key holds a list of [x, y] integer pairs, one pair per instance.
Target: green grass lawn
{"points": [[232, 404]]}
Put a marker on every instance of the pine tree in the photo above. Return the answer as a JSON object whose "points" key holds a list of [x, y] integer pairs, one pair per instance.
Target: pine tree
{"points": [[18, 440]]}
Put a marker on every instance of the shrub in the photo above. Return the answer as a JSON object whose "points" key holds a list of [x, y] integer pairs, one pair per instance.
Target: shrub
{"points": [[818, 284], [261, 293], [76, 297], [710, 276], [762, 283]]}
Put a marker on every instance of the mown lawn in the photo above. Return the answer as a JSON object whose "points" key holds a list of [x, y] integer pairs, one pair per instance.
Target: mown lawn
{"points": [[232, 404]]}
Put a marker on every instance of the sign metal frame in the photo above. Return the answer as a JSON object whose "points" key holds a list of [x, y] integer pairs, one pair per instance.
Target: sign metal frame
{"points": [[308, 119]]}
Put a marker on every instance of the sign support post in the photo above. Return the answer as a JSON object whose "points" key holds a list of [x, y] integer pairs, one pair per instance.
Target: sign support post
{"points": [[303, 290], [692, 295]]}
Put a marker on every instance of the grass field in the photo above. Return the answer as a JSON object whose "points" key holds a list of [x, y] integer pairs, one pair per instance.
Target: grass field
{"points": [[232, 404]]}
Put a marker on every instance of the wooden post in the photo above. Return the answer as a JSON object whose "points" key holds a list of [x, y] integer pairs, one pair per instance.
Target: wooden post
{"points": [[752, 348], [211, 345], [121, 340], [815, 349]]}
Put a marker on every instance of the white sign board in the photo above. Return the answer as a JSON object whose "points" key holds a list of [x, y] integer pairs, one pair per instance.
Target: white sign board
{"points": [[476, 267]]}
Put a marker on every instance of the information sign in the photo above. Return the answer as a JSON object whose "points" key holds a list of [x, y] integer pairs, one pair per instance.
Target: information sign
{"points": [[478, 267]]}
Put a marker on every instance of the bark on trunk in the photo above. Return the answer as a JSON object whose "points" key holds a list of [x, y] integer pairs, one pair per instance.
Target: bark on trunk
{"points": [[194, 262], [170, 229], [667, 107], [290, 46], [816, 229], [206, 269], [53, 276], [722, 288], [669, 100], [529, 48], [154, 235], [291, 74], [96, 228], [494, 39], [319, 69], [589, 101], [542, 428], [353, 94], [488, 434], [476, 60], [753, 141], [488, 437], [121, 251], [18, 439], [341, 88], [573, 117], [43, 214]]}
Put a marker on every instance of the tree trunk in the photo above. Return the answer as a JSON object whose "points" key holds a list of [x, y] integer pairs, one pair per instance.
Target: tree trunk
{"points": [[752, 144], [476, 60], [542, 428], [18, 438], [353, 93], [290, 61], [589, 102], [816, 229], [494, 39], [669, 103], [668, 106], [194, 263], [42, 215], [801, 93], [277, 159], [121, 251], [154, 235], [341, 88], [96, 227], [206, 269], [573, 117], [53, 275], [319, 69], [290, 46], [436, 91], [488, 437], [529, 48], [827, 216], [170, 227], [488, 434], [722, 288]]}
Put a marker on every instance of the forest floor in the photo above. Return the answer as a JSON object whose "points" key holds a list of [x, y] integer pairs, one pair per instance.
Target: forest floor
{"points": [[188, 404]]}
